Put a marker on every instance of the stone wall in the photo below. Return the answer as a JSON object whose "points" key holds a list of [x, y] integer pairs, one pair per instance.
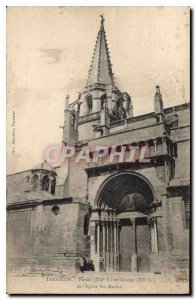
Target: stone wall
{"points": [[40, 240]]}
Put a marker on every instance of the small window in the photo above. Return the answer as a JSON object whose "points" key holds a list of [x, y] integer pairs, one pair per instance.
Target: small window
{"points": [[175, 150], [55, 210], [86, 225], [89, 102], [45, 183], [103, 100], [53, 183]]}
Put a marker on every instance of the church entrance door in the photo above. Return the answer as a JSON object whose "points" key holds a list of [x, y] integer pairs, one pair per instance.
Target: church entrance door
{"points": [[120, 233], [127, 248], [135, 242]]}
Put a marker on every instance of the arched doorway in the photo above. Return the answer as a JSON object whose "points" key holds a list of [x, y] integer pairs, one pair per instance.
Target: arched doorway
{"points": [[121, 231]]}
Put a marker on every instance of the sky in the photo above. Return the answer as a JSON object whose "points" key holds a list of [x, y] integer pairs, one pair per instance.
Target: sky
{"points": [[49, 50]]}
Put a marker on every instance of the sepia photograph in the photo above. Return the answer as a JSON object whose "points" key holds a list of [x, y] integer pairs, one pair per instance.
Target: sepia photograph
{"points": [[98, 150]]}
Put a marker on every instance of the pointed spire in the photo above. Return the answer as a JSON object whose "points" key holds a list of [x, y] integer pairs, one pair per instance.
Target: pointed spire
{"points": [[100, 71], [158, 103], [67, 102], [158, 96]]}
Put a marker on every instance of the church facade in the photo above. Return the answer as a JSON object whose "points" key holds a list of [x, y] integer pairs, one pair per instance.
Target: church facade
{"points": [[132, 212]]}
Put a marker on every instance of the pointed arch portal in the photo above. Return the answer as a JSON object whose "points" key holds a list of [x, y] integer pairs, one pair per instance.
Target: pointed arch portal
{"points": [[120, 232]]}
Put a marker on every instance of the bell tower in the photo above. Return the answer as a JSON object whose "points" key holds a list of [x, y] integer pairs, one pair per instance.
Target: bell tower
{"points": [[101, 102]]}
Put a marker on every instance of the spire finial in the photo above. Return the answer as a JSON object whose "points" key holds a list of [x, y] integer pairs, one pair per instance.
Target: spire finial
{"points": [[158, 95], [67, 102], [102, 19], [158, 103]]}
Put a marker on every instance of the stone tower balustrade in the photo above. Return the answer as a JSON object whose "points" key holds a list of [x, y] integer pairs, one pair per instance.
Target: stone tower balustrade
{"points": [[151, 149]]}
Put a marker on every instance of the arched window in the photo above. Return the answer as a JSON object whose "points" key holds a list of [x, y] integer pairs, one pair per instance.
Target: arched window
{"points": [[103, 99], [119, 103], [89, 102], [53, 183], [73, 121], [126, 101], [35, 182], [119, 113], [45, 183], [86, 224]]}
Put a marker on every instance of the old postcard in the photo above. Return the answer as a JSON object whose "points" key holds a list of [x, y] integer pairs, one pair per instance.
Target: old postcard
{"points": [[98, 164]]}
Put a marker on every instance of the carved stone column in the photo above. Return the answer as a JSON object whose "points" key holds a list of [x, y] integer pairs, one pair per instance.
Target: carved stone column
{"points": [[96, 258], [111, 245], [115, 236], [155, 235], [104, 242], [134, 255], [92, 235], [104, 237], [98, 237], [107, 245], [115, 245], [154, 240], [152, 235], [118, 244], [93, 254]]}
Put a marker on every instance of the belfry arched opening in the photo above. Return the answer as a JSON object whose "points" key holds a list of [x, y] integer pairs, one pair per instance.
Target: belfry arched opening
{"points": [[122, 232]]}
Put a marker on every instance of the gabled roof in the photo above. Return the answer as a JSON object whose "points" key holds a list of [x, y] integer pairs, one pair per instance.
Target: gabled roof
{"points": [[101, 68]]}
